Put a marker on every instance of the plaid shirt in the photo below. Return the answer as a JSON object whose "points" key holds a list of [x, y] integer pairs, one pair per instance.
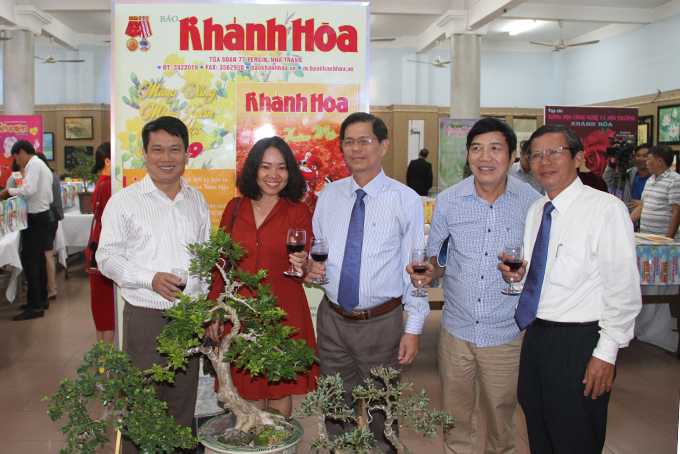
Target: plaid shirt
{"points": [[475, 310]]}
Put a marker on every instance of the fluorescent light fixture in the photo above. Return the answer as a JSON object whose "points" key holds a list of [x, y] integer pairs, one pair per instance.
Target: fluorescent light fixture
{"points": [[520, 26]]}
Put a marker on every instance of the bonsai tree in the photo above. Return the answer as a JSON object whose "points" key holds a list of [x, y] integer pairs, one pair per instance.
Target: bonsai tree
{"points": [[256, 342], [327, 402], [82, 167]]}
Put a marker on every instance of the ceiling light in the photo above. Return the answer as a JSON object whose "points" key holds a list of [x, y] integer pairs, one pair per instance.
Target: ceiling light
{"points": [[520, 26]]}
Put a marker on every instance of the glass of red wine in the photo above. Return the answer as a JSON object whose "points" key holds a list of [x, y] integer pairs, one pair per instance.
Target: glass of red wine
{"points": [[183, 275], [295, 242], [419, 265], [318, 248], [513, 254]]}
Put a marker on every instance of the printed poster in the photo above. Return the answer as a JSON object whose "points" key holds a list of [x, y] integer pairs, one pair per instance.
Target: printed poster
{"points": [[12, 129], [235, 73], [452, 150], [595, 125]]}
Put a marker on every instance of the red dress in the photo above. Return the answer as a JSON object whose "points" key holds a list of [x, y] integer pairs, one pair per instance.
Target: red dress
{"points": [[266, 249], [101, 287]]}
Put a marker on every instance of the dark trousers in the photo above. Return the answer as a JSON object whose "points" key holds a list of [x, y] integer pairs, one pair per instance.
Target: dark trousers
{"points": [[352, 348], [33, 258], [141, 326], [560, 419]]}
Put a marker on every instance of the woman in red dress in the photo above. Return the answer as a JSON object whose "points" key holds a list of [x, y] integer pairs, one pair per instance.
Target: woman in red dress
{"points": [[272, 188], [101, 287]]}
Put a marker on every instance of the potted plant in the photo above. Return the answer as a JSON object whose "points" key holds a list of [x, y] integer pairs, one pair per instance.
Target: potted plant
{"points": [[82, 169], [256, 342], [326, 402]]}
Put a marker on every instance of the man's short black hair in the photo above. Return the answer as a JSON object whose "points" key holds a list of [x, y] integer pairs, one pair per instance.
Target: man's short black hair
{"points": [[524, 147], [379, 127], [643, 145], [573, 140], [664, 152], [173, 126], [424, 152], [491, 124], [23, 145]]}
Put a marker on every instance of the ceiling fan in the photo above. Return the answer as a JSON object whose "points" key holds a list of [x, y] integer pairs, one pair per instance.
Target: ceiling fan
{"points": [[437, 61], [380, 40], [50, 58], [561, 45]]}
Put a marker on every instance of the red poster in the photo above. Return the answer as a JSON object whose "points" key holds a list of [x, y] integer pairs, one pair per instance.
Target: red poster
{"points": [[595, 125], [12, 129]]}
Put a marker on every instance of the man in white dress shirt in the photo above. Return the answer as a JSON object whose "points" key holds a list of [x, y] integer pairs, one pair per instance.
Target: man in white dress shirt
{"points": [[145, 230], [36, 188], [579, 301]]}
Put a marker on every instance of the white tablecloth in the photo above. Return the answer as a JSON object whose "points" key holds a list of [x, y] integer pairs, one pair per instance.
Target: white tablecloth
{"points": [[73, 233], [655, 324], [9, 255]]}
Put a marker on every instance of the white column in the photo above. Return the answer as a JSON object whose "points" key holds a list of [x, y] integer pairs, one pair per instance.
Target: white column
{"points": [[18, 70], [465, 76]]}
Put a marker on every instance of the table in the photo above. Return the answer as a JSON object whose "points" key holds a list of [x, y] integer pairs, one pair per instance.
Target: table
{"points": [[72, 235], [9, 255]]}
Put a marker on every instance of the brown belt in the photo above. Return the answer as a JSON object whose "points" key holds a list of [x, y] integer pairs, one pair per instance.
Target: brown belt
{"points": [[368, 314]]}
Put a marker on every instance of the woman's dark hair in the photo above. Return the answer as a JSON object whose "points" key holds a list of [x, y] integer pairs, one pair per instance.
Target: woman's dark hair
{"points": [[100, 156], [42, 157], [15, 166], [247, 181]]}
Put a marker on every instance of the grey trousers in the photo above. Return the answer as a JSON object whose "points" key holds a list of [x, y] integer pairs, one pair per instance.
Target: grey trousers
{"points": [[352, 348]]}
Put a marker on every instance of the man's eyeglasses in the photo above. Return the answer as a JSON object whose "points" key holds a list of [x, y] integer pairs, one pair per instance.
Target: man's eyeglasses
{"points": [[363, 142], [550, 153]]}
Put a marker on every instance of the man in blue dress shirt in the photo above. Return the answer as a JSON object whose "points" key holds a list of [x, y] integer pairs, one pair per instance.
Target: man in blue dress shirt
{"points": [[371, 222], [479, 341]]}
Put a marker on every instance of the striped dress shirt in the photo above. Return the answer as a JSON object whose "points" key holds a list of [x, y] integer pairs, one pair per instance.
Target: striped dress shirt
{"points": [[144, 232], [659, 195], [393, 225], [475, 310]]}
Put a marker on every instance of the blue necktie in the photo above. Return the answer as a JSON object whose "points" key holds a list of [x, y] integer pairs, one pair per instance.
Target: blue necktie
{"points": [[531, 293], [348, 289]]}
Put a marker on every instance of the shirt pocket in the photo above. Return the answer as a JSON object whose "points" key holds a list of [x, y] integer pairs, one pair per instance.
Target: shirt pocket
{"points": [[569, 266]]}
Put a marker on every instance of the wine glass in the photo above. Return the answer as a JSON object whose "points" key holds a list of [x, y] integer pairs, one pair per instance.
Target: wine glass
{"points": [[513, 254], [318, 248], [295, 242], [183, 275], [419, 265]]}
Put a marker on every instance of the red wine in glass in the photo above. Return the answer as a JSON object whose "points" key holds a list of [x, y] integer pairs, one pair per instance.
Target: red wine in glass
{"points": [[183, 275], [419, 265], [318, 247], [419, 269], [295, 242], [513, 254]]}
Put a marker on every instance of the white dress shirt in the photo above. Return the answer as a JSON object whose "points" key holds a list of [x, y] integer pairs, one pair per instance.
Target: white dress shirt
{"points": [[36, 186], [394, 223], [144, 232], [591, 271]]}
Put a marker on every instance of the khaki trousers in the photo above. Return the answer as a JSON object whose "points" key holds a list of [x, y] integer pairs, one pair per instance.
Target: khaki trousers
{"points": [[466, 371]]}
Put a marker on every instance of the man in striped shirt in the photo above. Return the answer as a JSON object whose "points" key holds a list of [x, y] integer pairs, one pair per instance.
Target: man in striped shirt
{"points": [[360, 321], [145, 230], [659, 212]]}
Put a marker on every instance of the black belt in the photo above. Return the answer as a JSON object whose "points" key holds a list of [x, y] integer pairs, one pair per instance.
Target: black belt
{"points": [[548, 324], [367, 314], [35, 215]]}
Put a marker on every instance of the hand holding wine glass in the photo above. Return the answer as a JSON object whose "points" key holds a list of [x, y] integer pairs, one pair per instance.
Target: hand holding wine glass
{"points": [[183, 276], [318, 247], [513, 255], [419, 264], [295, 242]]}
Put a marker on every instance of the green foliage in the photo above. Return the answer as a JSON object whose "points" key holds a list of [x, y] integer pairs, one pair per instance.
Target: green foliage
{"points": [[82, 166]]}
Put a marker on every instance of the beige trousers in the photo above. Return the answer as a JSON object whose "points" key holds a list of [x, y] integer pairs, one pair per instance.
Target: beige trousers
{"points": [[466, 371]]}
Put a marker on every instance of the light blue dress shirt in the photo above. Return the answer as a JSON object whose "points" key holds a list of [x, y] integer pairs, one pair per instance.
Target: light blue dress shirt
{"points": [[393, 225], [475, 310]]}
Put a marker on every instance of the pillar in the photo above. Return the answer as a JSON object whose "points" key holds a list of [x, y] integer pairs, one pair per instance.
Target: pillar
{"points": [[465, 76], [18, 73]]}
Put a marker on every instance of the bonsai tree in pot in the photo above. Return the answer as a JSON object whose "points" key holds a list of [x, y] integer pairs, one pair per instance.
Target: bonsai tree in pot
{"points": [[327, 402], [256, 342], [82, 169]]}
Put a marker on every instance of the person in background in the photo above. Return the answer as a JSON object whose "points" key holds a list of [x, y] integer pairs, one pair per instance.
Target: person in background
{"points": [[419, 174], [36, 188], [637, 176], [273, 189], [56, 215], [479, 342], [590, 179], [579, 301], [11, 182], [101, 287], [522, 170], [659, 212], [6, 160]]}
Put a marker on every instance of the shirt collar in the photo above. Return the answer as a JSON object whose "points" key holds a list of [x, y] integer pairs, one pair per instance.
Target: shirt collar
{"points": [[468, 187], [372, 188], [666, 174], [147, 185], [564, 199]]}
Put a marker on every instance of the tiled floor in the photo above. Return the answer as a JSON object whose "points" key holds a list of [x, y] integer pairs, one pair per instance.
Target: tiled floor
{"points": [[37, 354]]}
